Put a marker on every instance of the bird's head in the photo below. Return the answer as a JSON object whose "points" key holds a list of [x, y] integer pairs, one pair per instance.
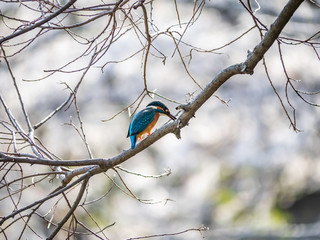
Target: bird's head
{"points": [[161, 108]]}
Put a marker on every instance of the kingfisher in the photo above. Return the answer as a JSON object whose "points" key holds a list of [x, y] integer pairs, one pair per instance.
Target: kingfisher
{"points": [[143, 122]]}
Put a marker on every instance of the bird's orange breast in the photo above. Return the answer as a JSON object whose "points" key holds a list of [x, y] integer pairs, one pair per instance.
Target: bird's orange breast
{"points": [[150, 126]]}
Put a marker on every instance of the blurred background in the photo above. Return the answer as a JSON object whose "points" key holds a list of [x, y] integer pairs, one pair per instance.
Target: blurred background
{"points": [[239, 168]]}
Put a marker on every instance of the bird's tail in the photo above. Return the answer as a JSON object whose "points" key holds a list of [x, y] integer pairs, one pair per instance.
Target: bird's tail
{"points": [[133, 141]]}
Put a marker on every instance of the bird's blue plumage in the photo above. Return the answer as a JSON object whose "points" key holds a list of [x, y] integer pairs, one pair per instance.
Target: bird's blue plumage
{"points": [[139, 123], [157, 104], [133, 139]]}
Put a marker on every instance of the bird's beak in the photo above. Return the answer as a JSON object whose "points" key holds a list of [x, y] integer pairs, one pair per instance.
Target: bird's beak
{"points": [[171, 116]]}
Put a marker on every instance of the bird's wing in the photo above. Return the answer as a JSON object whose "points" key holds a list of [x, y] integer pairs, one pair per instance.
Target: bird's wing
{"points": [[141, 121]]}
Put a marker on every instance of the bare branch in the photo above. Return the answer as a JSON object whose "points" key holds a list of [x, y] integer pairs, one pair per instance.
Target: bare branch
{"points": [[47, 19], [271, 35], [200, 230], [72, 209]]}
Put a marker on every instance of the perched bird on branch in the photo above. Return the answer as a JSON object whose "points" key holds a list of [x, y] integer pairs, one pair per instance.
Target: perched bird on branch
{"points": [[143, 122]]}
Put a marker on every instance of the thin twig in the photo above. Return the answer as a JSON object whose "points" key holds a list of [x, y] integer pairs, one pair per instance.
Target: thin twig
{"points": [[200, 229], [47, 19], [72, 209]]}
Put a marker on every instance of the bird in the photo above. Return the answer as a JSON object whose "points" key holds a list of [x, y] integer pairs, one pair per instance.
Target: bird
{"points": [[143, 122]]}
